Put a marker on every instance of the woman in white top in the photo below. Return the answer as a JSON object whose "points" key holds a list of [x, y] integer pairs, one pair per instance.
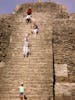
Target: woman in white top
{"points": [[25, 47], [21, 91]]}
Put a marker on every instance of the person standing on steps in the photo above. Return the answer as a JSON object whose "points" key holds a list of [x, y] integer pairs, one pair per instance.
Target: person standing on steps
{"points": [[21, 91], [35, 29], [26, 37], [29, 13], [25, 47]]}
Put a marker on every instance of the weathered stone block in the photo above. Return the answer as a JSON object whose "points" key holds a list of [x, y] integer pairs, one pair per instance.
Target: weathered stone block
{"points": [[63, 89], [61, 72]]}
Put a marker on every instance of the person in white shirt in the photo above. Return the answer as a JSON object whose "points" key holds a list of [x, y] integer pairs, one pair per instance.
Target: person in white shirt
{"points": [[35, 29], [25, 47], [21, 91]]}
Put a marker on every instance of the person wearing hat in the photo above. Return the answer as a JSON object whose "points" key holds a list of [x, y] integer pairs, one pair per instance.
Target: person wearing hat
{"points": [[21, 91]]}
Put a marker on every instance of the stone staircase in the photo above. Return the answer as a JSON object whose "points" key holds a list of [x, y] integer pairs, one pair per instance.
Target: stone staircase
{"points": [[36, 71], [48, 72]]}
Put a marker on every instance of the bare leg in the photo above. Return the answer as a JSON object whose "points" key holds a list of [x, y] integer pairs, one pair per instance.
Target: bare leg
{"points": [[21, 97]]}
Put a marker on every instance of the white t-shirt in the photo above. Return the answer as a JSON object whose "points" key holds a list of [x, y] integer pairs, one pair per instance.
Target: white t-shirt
{"points": [[28, 16], [21, 89], [26, 43]]}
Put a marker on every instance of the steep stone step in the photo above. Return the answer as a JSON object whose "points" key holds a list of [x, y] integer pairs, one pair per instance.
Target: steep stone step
{"points": [[35, 71]]}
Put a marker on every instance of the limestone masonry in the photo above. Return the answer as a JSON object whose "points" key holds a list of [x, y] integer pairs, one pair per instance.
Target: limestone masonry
{"points": [[49, 71]]}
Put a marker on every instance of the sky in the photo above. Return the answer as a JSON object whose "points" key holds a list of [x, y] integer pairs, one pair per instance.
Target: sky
{"points": [[7, 6]]}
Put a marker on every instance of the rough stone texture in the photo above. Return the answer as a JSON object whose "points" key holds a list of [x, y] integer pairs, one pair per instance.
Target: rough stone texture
{"points": [[55, 10], [2, 64], [35, 71], [64, 90], [72, 16], [6, 28], [64, 47], [54, 45], [61, 72]]}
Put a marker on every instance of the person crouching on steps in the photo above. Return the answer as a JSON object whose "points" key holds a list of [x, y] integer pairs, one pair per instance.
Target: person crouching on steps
{"points": [[25, 47], [21, 91], [35, 29]]}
